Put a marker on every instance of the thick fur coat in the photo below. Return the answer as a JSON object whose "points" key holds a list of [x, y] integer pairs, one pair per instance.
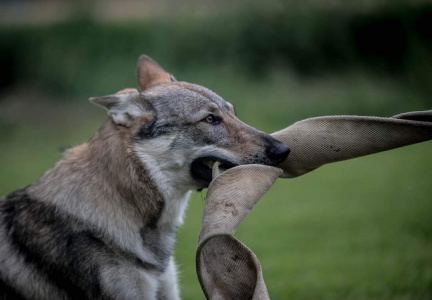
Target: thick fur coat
{"points": [[102, 223]]}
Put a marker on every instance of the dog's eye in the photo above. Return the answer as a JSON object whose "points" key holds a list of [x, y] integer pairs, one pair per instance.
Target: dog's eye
{"points": [[212, 119]]}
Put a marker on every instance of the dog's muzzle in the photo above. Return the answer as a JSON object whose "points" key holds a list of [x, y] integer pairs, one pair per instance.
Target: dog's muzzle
{"points": [[277, 152]]}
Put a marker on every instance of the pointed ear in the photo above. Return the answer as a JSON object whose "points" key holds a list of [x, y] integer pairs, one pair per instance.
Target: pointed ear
{"points": [[150, 73], [123, 107]]}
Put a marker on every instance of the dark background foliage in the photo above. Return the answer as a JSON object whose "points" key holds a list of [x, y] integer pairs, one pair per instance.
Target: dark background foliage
{"points": [[359, 229]]}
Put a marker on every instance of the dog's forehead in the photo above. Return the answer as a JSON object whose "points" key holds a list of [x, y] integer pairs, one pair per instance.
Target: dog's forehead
{"points": [[183, 93]]}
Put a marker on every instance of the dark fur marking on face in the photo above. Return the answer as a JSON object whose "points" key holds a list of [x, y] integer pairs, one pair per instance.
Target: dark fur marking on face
{"points": [[67, 252], [153, 130], [146, 130], [164, 129]]}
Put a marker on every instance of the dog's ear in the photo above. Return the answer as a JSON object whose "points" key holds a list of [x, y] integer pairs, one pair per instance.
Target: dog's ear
{"points": [[124, 106], [150, 73]]}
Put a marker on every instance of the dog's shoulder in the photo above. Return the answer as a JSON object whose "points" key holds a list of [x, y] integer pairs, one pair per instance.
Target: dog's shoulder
{"points": [[68, 252]]}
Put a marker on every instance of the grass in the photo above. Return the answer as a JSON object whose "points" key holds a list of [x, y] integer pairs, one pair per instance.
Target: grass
{"points": [[360, 229]]}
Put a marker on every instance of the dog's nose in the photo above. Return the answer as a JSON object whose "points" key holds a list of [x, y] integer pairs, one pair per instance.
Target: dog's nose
{"points": [[277, 151]]}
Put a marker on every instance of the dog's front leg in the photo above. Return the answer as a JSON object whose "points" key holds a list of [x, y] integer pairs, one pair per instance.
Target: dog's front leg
{"points": [[129, 282], [168, 289]]}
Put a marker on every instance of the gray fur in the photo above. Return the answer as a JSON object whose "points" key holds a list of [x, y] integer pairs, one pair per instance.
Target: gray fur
{"points": [[101, 224]]}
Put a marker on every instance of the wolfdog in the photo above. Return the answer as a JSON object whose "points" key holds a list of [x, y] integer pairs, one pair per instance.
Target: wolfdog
{"points": [[102, 223]]}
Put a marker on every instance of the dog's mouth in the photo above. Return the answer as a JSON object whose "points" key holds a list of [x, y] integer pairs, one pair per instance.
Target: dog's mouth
{"points": [[201, 168]]}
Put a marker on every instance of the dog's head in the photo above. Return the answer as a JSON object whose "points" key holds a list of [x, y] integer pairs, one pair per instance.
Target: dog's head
{"points": [[178, 129]]}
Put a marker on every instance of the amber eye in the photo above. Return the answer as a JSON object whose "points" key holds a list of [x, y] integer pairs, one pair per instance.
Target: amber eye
{"points": [[210, 119]]}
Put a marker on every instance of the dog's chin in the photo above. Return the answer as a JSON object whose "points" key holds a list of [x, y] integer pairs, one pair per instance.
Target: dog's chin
{"points": [[202, 169]]}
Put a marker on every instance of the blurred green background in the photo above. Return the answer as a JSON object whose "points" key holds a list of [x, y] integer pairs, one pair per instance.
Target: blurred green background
{"points": [[360, 229]]}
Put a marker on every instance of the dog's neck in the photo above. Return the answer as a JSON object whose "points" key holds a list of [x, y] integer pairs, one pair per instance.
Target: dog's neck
{"points": [[105, 182], [104, 185]]}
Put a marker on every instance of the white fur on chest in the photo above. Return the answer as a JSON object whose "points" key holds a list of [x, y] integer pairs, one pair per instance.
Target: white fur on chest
{"points": [[174, 211], [169, 171]]}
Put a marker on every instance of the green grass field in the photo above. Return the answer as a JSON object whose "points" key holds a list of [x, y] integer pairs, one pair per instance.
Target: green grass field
{"points": [[360, 229]]}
